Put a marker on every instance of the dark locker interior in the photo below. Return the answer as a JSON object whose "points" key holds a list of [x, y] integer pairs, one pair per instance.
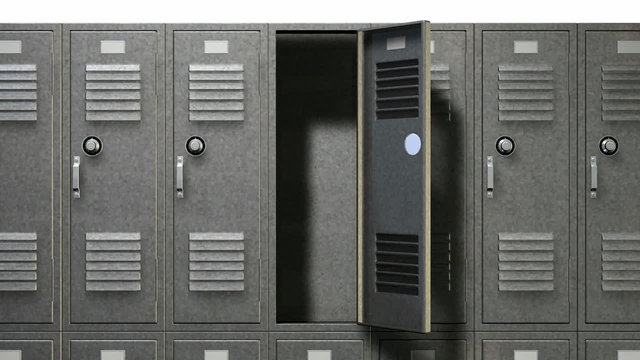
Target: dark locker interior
{"points": [[122, 240], [316, 110]]}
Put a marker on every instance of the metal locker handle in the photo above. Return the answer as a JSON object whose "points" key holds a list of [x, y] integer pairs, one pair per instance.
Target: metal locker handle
{"points": [[75, 181], [490, 177], [179, 177], [594, 177]]}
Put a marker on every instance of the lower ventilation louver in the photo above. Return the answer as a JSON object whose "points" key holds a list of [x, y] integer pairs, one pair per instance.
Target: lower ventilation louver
{"points": [[216, 262], [18, 262], [113, 262], [397, 264], [525, 262], [621, 262]]}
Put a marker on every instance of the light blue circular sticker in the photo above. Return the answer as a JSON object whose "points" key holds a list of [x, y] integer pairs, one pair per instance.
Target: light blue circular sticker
{"points": [[412, 144]]}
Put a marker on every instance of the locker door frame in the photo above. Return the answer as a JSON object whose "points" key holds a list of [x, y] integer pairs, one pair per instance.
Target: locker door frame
{"points": [[582, 182], [67, 325], [56, 30], [366, 287], [469, 182], [170, 170], [480, 169], [273, 324]]}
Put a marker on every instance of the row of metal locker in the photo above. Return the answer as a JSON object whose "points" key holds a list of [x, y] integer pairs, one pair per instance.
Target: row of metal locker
{"points": [[314, 346], [204, 177]]}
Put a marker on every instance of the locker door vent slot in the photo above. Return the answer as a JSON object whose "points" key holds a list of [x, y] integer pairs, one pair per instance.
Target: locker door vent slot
{"points": [[113, 262], [441, 91], [525, 262], [621, 262], [397, 264], [18, 262], [525, 92], [216, 92], [441, 261], [113, 92], [397, 89], [18, 92], [621, 92], [216, 261]]}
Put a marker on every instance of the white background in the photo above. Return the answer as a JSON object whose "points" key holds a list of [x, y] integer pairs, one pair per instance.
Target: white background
{"points": [[273, 11]]}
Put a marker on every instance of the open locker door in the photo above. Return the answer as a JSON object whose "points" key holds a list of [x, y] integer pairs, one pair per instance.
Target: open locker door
{"points": [[394, 250]]}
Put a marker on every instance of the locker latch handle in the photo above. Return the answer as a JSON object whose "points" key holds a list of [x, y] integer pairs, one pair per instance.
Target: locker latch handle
{"points": [[75, 181], [179, 177], [594, 177], [490, 177]]}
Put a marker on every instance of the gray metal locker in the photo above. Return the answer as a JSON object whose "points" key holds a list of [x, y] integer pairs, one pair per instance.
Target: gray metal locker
{"points": [[526, 350], [27, 348], [313, 175], [216, 350], [423, 350], [216, 189], [112, 349], [29, 156], [612, 258], [320, 350], [527, 171], [324, 193], [451, 81], [115, 213]]}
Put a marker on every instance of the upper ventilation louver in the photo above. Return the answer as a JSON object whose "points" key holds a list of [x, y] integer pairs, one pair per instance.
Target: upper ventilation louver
{"points": [[18, 92], [113, 92], [525, 92], [397, 89], [621, 93], [441, 91], [216, 92]]}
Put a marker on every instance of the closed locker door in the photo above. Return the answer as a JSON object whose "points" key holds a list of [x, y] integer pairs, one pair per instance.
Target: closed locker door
{"points": [[114, 137], [27, 163], [423, 350], [216, 350], [448, 176], [319, 350], [112, 350], [216, 239], [26, 349], [526, 350], [526, 165], [612, 150], [610, 349]]}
